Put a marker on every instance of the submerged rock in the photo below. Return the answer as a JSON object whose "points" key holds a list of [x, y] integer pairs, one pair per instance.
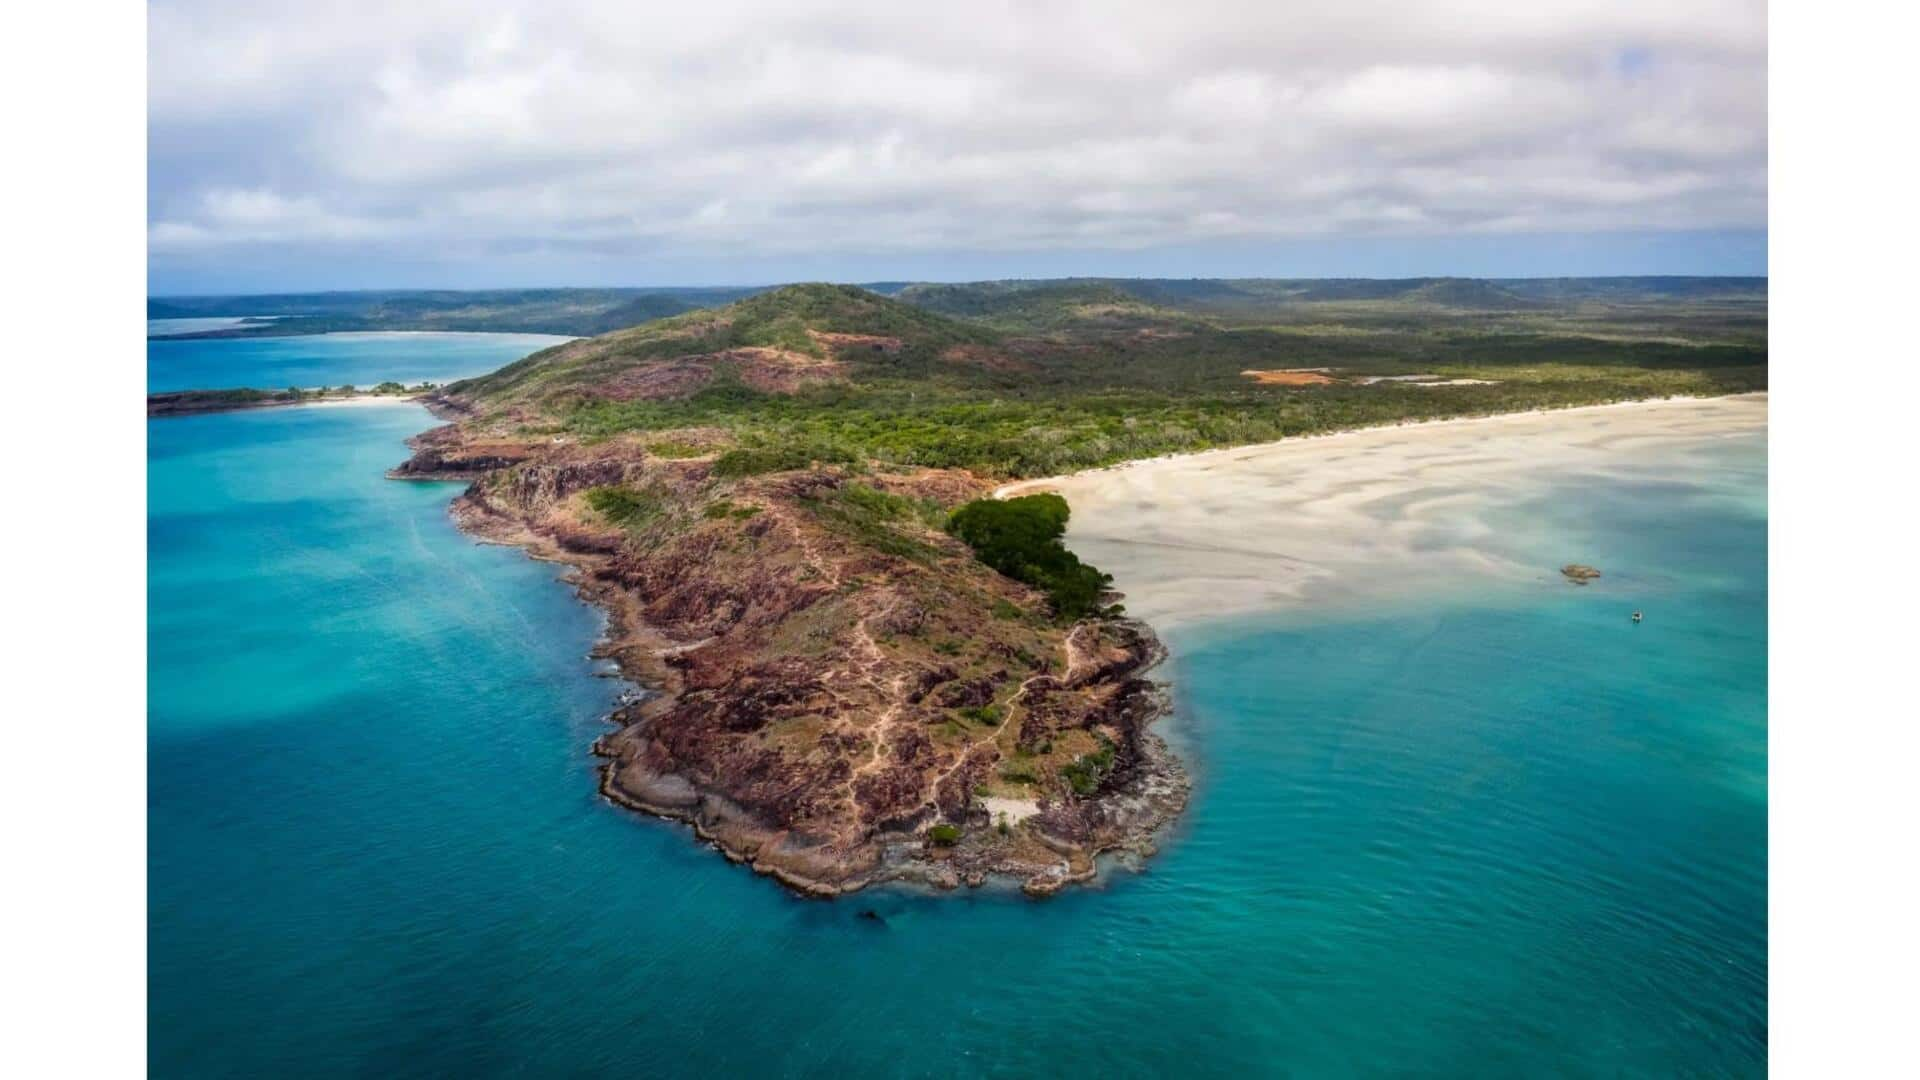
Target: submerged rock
{"points": [[1579, 574]]}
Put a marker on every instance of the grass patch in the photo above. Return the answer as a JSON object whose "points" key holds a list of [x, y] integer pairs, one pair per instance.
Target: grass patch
{"points": [[1019, 774], [875, 518], [986, 715], [625, 507], [726, 508], [674, 448], [759, 460]]}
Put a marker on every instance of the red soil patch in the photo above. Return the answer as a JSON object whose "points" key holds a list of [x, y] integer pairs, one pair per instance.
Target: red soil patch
{"points": [[983, 357], [1288, 378], [772, 371], [838, 343]]}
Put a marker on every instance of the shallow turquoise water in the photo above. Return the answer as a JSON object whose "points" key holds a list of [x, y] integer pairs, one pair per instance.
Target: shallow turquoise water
{"points": [[1512, 837], [358, 359]]}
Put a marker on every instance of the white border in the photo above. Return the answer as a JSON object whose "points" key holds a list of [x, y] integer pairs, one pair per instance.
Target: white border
{"points": [[1845, 418], [73, 765], [1843, 825]]}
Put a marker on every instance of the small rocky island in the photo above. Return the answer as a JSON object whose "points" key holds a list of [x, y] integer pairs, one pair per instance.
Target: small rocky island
{"points": [[1579, 573], [847, 691]]}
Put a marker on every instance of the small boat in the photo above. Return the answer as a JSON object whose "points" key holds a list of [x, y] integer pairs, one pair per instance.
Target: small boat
{"points": [[1636, 616]]}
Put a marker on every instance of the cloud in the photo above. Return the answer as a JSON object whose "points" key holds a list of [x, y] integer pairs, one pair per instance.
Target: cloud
{"points": [[616, 129]]}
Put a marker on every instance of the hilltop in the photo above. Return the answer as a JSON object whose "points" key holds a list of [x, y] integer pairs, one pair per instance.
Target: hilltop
{"points": [[776, 342]]}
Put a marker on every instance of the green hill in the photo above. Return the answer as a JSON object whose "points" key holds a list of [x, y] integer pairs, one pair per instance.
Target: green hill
{"points": [[1045, 305], [777, 341], [1024, 379]]}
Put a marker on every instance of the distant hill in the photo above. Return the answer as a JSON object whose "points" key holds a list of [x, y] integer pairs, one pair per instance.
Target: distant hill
{"points": [[1467, 293], [541, 311], [1089, 304], [1053, 306], [776, 342], [1638, 288]]}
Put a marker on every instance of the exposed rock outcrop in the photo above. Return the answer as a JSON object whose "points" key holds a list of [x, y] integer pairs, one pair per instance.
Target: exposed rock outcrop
{"points": [[839, 684]]}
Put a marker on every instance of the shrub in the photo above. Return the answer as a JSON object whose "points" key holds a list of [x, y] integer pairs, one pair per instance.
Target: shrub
{"points": [[873, 517], [757, 460], [1085, 774], [944, 835], [1021, 539], [982, 714]]}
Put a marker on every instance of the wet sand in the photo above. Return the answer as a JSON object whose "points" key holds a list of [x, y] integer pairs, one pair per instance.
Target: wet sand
{"points": [[1360, 513]]}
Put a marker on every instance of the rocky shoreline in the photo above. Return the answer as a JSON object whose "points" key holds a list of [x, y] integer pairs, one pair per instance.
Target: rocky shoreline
{"points": [[828, 714]]}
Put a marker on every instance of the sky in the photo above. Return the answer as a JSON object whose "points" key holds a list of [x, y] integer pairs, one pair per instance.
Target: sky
{"points": [[578, 142]]}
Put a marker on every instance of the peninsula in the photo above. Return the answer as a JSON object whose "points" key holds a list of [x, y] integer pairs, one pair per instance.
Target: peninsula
{"points": [[864, 668]]}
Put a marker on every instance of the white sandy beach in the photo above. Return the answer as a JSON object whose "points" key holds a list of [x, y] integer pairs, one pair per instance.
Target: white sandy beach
{"points": [[1362, 513], [360, 401]]}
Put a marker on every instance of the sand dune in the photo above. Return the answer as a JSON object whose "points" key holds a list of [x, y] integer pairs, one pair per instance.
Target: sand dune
{"points": [[1358, 514]]}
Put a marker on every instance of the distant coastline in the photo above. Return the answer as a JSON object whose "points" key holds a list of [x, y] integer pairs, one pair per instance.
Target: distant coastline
{"points": [[197, 402]]}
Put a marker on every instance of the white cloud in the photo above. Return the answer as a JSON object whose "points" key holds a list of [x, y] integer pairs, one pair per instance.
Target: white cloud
{"points": [[821, 127]]}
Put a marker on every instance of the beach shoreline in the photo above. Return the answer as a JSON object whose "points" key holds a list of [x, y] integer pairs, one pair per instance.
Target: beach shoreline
{"points": [[1015, 488], [188, 402], [1366, 513]]}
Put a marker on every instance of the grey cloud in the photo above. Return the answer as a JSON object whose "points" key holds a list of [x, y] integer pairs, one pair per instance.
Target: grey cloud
{"points": [[614, 127]]}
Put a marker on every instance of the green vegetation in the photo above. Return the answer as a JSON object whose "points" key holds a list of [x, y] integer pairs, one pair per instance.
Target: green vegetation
{"points": [[944, 835], [756, 460], [675, 448], [723, 508], [623, 506], [1021, 538], [1047, 378], [987, 715], [1020, 379], [1086, 772], [878, 519]]}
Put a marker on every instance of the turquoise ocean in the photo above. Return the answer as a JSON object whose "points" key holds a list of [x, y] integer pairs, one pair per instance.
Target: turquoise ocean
{"points": [[307, 361], [1505, 834]]}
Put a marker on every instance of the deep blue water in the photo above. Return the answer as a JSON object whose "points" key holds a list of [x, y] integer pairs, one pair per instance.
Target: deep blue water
{"points": [[1513, 837], [305, 361]]}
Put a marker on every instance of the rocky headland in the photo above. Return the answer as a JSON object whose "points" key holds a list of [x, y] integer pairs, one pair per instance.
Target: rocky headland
{"points": [[842, 693]]}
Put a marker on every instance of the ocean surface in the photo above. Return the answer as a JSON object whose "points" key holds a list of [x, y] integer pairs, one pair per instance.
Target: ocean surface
{"points": [[1514, 835], [311, 360]]}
